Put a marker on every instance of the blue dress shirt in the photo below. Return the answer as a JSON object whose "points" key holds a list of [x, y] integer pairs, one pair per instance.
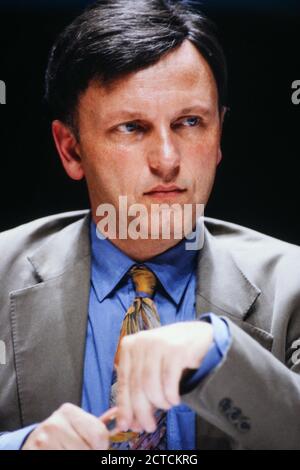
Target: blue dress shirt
{"points": [[112, 292]]}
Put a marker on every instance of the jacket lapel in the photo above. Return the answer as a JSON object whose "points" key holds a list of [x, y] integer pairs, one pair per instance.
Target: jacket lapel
{"points": [[49, 319], [222, 287]]}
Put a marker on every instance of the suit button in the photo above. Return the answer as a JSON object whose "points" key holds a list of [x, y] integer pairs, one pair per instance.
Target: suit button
{"points": [[244, 424], [225, 405], [234, 414]]}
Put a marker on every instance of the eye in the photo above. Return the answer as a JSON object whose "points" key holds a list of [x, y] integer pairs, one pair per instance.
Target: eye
{"points": [[129, 127], [189, 121]]}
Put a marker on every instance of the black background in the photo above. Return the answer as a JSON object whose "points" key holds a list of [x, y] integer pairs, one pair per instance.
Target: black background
{"points": [[258, 180]]}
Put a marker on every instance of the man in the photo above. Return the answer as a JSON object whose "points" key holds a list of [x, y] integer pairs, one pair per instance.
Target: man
{"points": [[137, 93]]}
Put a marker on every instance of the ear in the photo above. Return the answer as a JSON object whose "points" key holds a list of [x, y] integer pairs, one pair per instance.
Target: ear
{"points": [[220, 155], [68, 149], [222, 116]]}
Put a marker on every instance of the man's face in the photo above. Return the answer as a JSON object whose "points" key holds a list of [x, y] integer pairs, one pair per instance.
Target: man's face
{"points": [[158, 126]]}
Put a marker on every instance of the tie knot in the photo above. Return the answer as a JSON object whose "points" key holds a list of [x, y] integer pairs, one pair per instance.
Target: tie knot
{"points": [[144, 280]]}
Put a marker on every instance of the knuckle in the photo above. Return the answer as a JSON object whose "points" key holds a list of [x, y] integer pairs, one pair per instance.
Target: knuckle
{"points": [[41, 440], [144, 336], [66, 409], [154, 341], [51, 426], [126, 342]]}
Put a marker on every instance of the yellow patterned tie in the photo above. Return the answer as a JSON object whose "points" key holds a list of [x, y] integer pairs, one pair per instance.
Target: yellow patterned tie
{"points": [[141, 315]]}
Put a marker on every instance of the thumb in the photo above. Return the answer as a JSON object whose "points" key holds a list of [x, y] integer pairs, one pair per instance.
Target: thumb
{"points": [[109, 418]]}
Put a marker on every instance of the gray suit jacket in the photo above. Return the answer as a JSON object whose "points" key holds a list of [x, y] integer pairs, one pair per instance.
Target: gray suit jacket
{"points": [[251, 400]]}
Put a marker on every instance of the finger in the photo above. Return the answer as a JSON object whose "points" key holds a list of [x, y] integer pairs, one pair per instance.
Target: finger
{"points": [[141, 405], [112, 420], [109, 418], [69, 439], [143, 413], [135, 426], [123, 399], [56, 433], [90, 429], [171, 375], [109, 414], [152, 380]]}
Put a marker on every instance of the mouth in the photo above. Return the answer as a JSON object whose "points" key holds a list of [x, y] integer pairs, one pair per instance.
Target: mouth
{"points": [[161, 192]]}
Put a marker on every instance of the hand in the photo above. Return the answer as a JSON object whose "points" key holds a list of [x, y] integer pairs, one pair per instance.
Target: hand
{"points": [[71, 428], [150, 368]]}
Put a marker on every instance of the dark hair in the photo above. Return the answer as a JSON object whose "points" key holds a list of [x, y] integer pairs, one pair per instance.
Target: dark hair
{"points": [[112, 38]]}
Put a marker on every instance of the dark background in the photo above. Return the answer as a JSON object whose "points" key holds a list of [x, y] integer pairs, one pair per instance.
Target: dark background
{"points": [[257, 182]]}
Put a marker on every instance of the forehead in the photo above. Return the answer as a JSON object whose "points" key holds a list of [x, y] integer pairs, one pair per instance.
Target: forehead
{"points": [[178, 79]]}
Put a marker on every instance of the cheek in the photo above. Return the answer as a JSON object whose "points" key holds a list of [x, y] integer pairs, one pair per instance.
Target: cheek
{"points": [[201, 167], [115, 169], [202, 159], [203, 147]]}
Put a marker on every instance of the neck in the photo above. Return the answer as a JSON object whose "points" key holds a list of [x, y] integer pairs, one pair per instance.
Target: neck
{"points": [[143, 250]]}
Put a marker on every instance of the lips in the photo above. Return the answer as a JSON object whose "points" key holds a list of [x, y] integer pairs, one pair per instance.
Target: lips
{"points": [[163, 190]]}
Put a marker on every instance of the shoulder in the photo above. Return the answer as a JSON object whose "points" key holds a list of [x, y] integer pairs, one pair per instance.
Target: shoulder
{"points": [[27, 237], [240, 238], [255, 252]]}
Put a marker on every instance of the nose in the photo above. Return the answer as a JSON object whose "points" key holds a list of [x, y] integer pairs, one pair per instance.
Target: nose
{"points": [[164, 155]]}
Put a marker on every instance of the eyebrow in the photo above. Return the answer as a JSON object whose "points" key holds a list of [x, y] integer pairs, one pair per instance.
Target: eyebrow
{"points": [[196, 108], [130, 114]]}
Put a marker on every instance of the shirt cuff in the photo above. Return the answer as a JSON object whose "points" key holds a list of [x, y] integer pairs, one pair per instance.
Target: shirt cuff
{"points": [[219, 346], [15, 440]]}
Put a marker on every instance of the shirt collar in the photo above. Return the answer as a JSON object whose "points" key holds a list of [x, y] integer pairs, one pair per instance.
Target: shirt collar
{"points": [[173, 267]]}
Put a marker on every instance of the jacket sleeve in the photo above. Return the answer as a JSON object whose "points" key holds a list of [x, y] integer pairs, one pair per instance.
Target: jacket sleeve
{"points": [[251, 396], [220, 344]]}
